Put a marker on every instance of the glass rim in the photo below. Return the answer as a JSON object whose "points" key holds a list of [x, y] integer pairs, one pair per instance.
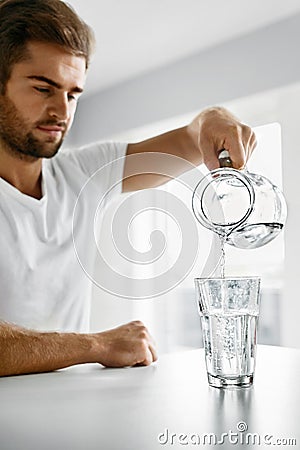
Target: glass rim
{"points": [[250, 277]]}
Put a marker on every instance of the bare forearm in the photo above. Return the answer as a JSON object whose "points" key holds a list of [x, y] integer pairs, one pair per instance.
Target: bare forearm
{"points": [[26, 351], [199, 142], [145, 168], [176, 142]]}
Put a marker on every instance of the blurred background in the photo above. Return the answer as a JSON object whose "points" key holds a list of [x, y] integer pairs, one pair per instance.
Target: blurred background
{"points": [[156, 66]]}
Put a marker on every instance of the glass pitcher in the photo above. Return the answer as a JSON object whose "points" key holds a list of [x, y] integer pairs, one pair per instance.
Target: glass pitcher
{"points": [[247, 210]]}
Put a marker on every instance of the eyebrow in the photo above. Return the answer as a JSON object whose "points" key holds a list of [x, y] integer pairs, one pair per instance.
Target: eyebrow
{"points": [[53, 83]]}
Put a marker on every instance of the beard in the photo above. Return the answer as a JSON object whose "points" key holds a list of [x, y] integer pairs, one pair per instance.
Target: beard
{"points": [[17, 136]]}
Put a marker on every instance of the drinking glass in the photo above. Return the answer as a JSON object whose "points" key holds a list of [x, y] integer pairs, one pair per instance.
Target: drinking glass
{"points": [[229, 310]]}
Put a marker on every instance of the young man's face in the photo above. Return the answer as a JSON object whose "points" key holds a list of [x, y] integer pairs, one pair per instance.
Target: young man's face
{"points": [[40, 100]]}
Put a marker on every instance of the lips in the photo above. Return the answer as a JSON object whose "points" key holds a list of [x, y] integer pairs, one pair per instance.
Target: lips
{"points": [[51, 130], [48, 128]]}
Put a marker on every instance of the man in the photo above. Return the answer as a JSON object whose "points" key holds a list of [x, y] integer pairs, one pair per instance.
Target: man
{"points": [[44, 302]]}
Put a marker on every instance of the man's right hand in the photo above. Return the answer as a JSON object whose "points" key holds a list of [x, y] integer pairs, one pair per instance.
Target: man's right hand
{"points": [[127, 345], [28, 351]]}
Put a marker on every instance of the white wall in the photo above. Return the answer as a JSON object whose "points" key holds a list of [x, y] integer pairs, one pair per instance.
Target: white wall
{"points": [[260, 61], [263, 65], [288, 114]]}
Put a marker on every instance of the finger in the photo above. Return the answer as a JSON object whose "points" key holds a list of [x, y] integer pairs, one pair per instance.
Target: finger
{"points": [[138, 323], [252, 144], [152, 347], [149, 354], [210, 158], [153, 352], [241, 143], [247, 142], [236, 150], [147, 359]]}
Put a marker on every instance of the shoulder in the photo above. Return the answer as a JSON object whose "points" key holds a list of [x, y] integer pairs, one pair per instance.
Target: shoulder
{"points": [[96, 152], [89, 158]]}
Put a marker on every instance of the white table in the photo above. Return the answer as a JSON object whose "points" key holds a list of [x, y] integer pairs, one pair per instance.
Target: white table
{"points": [[89, 407]]}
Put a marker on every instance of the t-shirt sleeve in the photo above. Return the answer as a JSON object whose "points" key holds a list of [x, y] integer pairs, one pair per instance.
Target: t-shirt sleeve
{"points": [[102, 162]]}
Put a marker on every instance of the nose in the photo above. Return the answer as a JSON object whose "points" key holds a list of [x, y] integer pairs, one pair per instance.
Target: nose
{"points": [[59, 107]]}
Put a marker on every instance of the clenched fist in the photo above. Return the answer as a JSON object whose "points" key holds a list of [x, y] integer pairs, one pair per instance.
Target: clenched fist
{"points": [[127, 345], [215, 129]]}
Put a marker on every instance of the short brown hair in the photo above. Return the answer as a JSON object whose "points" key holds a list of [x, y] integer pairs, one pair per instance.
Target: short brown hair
{"points": [[50, 21]]}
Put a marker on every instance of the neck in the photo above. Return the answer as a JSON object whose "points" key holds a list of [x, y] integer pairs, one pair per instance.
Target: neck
{"points": [[22, 173]]}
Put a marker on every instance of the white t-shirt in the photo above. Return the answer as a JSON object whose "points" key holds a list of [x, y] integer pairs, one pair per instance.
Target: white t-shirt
{"points": [[42, 284]]}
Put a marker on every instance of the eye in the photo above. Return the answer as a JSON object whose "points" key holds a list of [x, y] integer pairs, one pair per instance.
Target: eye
{"points": [[42, 90], [72, 98]]}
